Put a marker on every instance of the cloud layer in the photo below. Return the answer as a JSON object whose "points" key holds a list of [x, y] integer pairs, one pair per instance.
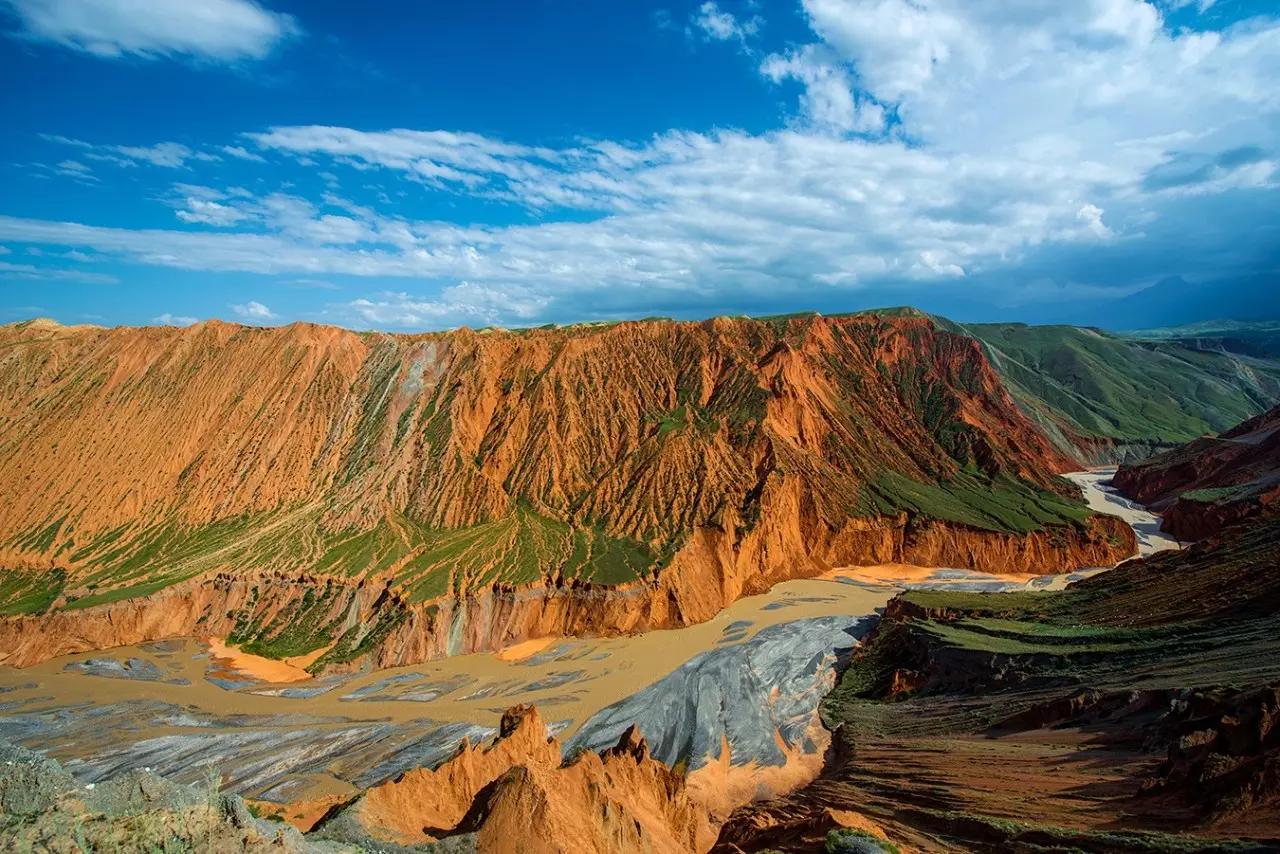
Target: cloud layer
{"points": [[948, 144], [220, 30]]}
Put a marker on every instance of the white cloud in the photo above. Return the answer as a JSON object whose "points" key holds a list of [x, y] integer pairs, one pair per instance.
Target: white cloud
{"points": [[172, 155], [462, 304], [75, 169], [50, 274], [223, 30], [719, 25], [241, 153], [169, 154], [1091, 217], [939, 142], [168, 319], [829, 100], [209, 213], [253, 310]]}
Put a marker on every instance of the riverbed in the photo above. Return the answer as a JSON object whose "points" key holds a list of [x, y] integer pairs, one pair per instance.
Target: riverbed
{"points": [[706, 694]]}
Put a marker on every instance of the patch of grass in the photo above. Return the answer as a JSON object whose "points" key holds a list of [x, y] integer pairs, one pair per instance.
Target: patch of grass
{"points": [[25, 592], [842, 839], [1002, 504], [1214, 494]]}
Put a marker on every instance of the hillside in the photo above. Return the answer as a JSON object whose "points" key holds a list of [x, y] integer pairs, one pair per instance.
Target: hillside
{"points": [[1135, 710], [1248, 338], [1212, 481], [1115, 398], [306, 486]]}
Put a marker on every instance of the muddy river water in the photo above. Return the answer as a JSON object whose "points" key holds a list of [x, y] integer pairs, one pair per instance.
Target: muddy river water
{"points": [[268, 730]]}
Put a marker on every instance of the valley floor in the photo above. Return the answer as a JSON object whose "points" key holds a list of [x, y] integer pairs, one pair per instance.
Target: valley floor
{"points": [[185, 706]]}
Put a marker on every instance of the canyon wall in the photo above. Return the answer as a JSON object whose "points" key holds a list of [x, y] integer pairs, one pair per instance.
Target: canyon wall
{"points": [[1211, 482], [458, 491]]}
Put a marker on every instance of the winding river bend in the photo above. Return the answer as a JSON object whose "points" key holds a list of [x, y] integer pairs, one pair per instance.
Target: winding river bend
{"points": [[735, 697]]}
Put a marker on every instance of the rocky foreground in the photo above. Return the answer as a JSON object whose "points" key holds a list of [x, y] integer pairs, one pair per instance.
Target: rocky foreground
{"points": [[1136, 711]]}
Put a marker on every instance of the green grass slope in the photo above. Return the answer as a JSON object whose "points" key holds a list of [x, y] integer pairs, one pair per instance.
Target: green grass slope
{"points": [[1086, 384]]}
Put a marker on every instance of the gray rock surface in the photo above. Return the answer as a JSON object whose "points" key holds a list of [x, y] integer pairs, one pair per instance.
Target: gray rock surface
{"points": [[43, 808], [115, 668], [771, 683], [30, 783]]}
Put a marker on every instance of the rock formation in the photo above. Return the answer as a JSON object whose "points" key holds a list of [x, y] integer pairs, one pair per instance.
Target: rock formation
{"points": [[515, 795], [1211, 482], [460, 491]]}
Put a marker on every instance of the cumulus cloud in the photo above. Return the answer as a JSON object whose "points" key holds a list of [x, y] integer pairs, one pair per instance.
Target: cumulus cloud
{"points": [[940, 144], [253, 310], [218, 30], [829, 101]]}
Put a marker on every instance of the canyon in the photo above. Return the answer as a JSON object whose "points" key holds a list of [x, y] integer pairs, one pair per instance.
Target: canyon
{"points": [[733, 702], [337, 566], [401, 498]]}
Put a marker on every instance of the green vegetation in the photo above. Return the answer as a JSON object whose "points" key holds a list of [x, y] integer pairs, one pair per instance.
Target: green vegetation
{"points": [[23, 592], [295, 631], [1214, 494], [1098, 384], [124, 563], [519, 548], [846, 840], [1003, 504], [1130, 627]]}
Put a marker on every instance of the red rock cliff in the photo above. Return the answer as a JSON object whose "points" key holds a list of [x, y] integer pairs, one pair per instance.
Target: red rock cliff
{"points": [[499, 485]]}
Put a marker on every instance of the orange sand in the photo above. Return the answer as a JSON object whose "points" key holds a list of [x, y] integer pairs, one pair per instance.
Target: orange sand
{"points": [[291, 669], [526, 649]]}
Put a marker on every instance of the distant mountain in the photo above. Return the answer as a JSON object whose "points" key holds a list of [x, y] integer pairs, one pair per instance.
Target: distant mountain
{"points": [[1247, 338], [1116, 397], [1175, 301]]}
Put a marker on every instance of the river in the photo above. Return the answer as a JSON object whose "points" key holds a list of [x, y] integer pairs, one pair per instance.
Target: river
{"points": [[735, 697]]}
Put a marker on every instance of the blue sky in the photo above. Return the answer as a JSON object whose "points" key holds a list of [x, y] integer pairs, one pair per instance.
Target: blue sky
{"points": [[409, 166]]}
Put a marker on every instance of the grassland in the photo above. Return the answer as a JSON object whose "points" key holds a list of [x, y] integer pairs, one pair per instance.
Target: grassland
{"points": [[424, 563], [1099, 384]]}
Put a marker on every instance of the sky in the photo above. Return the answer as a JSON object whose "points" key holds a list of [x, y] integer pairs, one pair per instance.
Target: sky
{"points": [[407, 166]]}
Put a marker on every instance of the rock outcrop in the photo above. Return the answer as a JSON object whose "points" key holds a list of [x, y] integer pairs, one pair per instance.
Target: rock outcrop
{"points": [[43, 809], [1211, 482], [488, 487], [515, 795]]}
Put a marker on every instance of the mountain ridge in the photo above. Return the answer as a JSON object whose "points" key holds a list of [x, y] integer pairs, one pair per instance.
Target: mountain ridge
{"points": [[685, 464]]}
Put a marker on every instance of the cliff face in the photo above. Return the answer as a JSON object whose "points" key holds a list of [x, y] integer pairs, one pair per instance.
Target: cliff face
{"points": [[1212, 482], [494, 485]]}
